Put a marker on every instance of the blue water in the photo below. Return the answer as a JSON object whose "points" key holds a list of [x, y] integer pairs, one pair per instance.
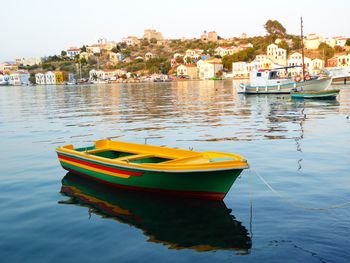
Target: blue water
{"points": [[301, 149]]}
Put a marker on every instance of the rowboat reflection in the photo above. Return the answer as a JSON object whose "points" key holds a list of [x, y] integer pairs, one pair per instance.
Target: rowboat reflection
{"points": [[202, 225]]}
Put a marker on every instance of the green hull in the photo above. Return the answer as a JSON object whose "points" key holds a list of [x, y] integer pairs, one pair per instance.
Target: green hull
{"points": [[208, 185], [178, 223], [325, 94]]}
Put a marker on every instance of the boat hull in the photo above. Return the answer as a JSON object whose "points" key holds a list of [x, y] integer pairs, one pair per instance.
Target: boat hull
{"points": [[200, 184], [286, 88], [326, 94], [341, 80]]}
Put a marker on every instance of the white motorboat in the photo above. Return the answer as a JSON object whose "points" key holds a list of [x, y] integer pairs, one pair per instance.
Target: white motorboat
{"points": [[272, 82]]}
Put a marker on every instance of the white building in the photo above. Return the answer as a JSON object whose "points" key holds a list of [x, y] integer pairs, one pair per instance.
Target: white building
{"points": [[40, 78], [73, 51], [242, 69], [312, 41], [131, 41], [295, 59], [93, 49], [336, 41], [106, 74], [277, 55], [29, 61], [208, 69], [148, 56], [343, 61], [50, 78], [18, 78]]}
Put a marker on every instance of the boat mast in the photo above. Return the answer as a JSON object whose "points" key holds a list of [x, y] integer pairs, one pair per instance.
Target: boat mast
{"points": [[302, 46]]}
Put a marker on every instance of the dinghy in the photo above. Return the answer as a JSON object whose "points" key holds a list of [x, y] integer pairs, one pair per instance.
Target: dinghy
{"points": [[207, 175]]}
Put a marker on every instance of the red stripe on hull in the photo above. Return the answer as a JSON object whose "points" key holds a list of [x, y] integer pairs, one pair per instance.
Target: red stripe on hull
{"points": [[192, 194], [101, 167]]}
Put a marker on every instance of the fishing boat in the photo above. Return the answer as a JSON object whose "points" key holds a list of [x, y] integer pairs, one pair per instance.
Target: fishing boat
{"points": [[323, 94], [273, 81], [277, 80], [177, 223], [207, 175]]}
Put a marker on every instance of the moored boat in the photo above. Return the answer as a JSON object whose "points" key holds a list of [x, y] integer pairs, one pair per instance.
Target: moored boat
{"points": [[273, 82], [340, 75], [323, 94], [207, 175]]}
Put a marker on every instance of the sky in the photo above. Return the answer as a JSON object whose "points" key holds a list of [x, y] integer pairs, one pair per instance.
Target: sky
{"points": [[37, 28]]}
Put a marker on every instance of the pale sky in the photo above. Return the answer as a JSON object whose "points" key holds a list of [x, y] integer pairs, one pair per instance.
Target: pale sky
{"points": [[45, 27]]}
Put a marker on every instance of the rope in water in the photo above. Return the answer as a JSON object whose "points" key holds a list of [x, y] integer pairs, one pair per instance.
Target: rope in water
{"points": [[291, 202]]}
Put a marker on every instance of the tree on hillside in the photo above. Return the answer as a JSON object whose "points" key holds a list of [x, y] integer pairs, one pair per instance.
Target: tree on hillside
{"points": [[83, 49], [247, 55], [63, 53], [347, 42], [283, 44], [326, 50], [275, 28]]}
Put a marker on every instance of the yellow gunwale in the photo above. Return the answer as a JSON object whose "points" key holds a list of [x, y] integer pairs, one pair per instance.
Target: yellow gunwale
{"points": [[176, 164]]}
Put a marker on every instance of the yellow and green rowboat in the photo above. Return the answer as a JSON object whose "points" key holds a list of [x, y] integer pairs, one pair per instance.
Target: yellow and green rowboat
{"points": [[207, 175]]}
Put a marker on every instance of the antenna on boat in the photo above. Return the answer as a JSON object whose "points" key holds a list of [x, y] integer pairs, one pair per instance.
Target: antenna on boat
{"points": [[302, 46]]}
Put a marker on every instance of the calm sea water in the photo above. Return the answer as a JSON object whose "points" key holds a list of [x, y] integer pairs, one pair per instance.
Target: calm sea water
{"points": [[300, 149]]}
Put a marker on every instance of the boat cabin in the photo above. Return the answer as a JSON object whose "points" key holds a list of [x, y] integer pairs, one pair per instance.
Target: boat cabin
{"points": [[268, 77]]}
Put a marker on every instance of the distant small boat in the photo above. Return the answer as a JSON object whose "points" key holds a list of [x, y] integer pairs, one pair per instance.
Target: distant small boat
{"points": [[323, 94], [207, 175]]}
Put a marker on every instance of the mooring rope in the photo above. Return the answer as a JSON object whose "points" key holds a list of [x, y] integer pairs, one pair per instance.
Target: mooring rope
{"points": [[291, 202]]}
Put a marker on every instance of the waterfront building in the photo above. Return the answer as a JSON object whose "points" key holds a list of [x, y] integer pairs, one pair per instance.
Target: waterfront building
{"points": [[343, 60], [210, 68], [295, 59], [188, 70], [131, 41], [40, 78], [50, 78], [277, 55], [8, 67], [312, 41], [106, 74], [73, 51], [152, 34], [241, 69], [332, 62], [60, 77], [4, 78], [20, 77]]}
